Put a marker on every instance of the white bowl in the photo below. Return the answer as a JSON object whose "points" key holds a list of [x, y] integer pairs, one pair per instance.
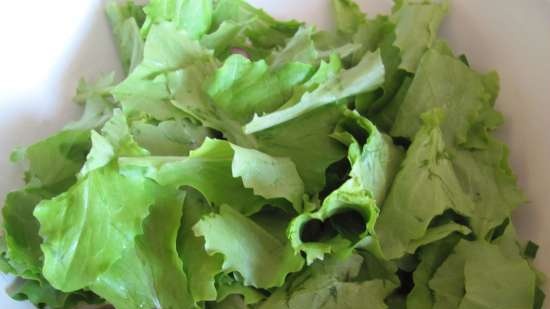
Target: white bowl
{"points": [[47, 46]]}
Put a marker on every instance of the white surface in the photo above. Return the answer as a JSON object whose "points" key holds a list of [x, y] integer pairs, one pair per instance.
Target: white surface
{"points": [[47, 46]]}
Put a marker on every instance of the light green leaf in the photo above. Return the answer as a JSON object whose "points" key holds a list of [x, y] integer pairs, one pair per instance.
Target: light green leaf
{"points": [[416, 30], [115, 141], [166, 50], [201, 268], [443, 82], [40, 293], [347, 215], [306, 141], [98, 103], [483, 275], [268, 176], [55, 161], [424, 188], [193, 16], [150, 274], [348, 16], [242, 87], [221, 40], [487, 178], [102, 206], [300, 48], [229, 286], [373, 158], [170, 137], [260, 28], [329, 285], [125, 20], [20, 229], [431, 257], [219, 172], [367, 76], [247, 248]]}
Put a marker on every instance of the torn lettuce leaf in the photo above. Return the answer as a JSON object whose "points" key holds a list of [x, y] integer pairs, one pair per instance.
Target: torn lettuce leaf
{"points": [[307, 142], [42, 294], [496, 199], [170, 137], [373, 157], [445, 82], [225, 174], [20, 231], [417, 25], [126, 20], [479, 274], [201, 268], [348, 15], [260, 29], [192, 16], [331, 284], [97, 206], [242, 88], [150, 272], [366, 76], [374, 161], [424, 188], [247, 248]]}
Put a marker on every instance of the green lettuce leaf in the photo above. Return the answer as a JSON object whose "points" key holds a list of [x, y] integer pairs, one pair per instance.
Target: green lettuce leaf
{"points": [[170, 137], [348, 16], [300, 48], [424, 188], [115, 140], [42, 294], [21, 232], [226, 173], [103, 205], [247, 248], [201, 268], [346, 216], [242, 87], [374, 161], [496, 199], [260, 28], [229, 285], [55, 161], [193, 16], [366, 76], [373, 158], [445, 82], [431, 257], [307, 142], [166, 50], [331, 284], [483, 275], [150, 272], [98, 103], [417, 24], [125, 20]]}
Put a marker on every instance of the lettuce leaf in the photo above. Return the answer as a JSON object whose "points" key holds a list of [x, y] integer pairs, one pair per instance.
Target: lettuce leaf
{"points": [[150, 272], [483, 275], [97, 206], [225, 174], [425, 187], [366, 76], [417, 24], [247, 248], [331, 284]]}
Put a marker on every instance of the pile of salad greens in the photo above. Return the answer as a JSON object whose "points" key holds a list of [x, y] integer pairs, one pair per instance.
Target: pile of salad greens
{"points": [[246, 162]]}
